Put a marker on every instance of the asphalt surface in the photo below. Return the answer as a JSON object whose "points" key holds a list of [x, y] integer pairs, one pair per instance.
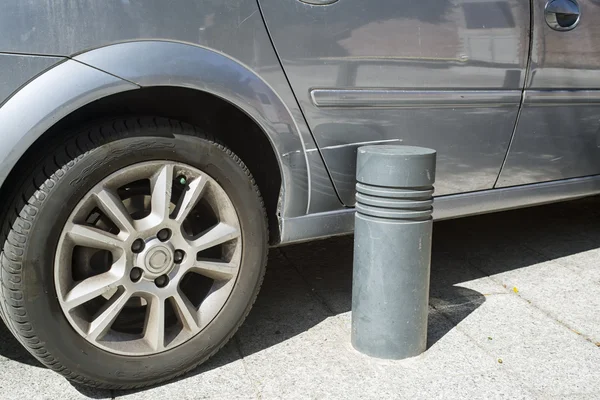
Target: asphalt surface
{"points": [[514, 313]]}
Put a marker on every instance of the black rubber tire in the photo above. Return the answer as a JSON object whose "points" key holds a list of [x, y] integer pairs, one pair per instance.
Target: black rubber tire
{"points": [[58, 182]]}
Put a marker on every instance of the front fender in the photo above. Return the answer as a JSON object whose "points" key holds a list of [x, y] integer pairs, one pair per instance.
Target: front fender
{"points": [[164, 63]]}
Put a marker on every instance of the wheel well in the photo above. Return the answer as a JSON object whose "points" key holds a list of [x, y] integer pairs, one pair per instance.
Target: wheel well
{"points": [[226, 122]]}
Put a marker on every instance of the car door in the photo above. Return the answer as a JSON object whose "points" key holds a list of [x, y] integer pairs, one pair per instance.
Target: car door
{"points": [[558, 134], [446, 74]]}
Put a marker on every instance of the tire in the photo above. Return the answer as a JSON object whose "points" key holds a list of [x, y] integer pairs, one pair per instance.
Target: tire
{"points": [[31, 304]]}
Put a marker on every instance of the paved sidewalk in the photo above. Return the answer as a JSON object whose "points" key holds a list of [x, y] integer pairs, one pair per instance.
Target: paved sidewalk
{"points": [[514, 314]]}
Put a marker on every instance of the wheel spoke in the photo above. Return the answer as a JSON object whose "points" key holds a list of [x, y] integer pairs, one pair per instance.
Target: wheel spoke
{"points": [[91, 288], [219, 271], [114, 208], [190, 198], [217, 235], [93, 237], [186, 312], [101, 324], [162, 185], [154, 332]]}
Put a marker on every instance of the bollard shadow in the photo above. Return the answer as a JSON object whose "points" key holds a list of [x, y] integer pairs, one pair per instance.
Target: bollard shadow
{"points": [[326, 269], [308, 283]]}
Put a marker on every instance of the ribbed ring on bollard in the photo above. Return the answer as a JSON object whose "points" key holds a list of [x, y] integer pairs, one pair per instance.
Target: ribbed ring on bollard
{"points": [[406, 204]]}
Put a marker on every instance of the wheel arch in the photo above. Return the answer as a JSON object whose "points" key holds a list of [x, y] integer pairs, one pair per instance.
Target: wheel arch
{"points": [[74, 92]]}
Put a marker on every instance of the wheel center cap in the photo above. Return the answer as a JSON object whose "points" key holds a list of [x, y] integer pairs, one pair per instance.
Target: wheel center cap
{"points": [[157, 258]]}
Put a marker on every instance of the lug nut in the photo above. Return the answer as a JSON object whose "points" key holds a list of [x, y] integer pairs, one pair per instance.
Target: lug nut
{"points": [[161, 281], [163, 235], [135, 274], [138, 245], [178, 256]]}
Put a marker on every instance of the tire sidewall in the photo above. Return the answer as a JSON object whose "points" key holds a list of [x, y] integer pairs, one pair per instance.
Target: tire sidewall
{"points": [[80, 176]]}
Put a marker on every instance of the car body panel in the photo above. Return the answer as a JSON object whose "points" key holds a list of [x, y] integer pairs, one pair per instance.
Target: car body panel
{"points": [[440, 74], [17, 69], [558, 134], [28, 114], [69, 27]]}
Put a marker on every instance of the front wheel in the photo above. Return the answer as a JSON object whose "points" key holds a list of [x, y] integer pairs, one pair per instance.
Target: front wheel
{"points": [[138, 255]]}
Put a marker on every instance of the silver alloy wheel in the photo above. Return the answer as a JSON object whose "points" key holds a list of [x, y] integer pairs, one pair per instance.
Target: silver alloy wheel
{"points": [[148, 258]]}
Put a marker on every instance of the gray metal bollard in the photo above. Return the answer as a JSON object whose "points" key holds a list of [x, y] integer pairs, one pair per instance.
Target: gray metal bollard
{"points": [[392, 250]]}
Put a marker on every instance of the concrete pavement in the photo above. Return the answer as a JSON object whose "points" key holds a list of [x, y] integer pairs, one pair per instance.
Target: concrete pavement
{"points": [[514, 313]]}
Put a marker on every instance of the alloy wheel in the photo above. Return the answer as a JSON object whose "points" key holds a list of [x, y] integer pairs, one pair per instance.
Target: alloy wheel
{"points": [[148, 258]]}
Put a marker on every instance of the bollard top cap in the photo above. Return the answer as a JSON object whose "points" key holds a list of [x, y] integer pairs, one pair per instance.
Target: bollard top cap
{"points": [[396, 150], [396, 166]]}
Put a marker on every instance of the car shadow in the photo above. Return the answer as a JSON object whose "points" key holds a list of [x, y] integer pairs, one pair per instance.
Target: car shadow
{"points": [[308, 283]]}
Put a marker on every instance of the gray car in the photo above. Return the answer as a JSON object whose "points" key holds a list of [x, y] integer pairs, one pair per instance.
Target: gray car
{"points": [[152, 151]]}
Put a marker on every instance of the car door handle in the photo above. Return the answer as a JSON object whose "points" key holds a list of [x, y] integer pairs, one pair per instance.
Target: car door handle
{"points": [[562, 15]]}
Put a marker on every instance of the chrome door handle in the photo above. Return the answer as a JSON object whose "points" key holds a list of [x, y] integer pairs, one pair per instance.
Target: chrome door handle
{"points": [[562, 15]]}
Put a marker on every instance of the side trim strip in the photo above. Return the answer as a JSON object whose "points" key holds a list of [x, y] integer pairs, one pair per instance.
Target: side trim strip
{"points": [[561, 97], [322, 225], [414, 98]]}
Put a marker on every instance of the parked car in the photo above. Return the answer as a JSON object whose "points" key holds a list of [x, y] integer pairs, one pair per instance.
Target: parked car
{"points": [[152, 151]]}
